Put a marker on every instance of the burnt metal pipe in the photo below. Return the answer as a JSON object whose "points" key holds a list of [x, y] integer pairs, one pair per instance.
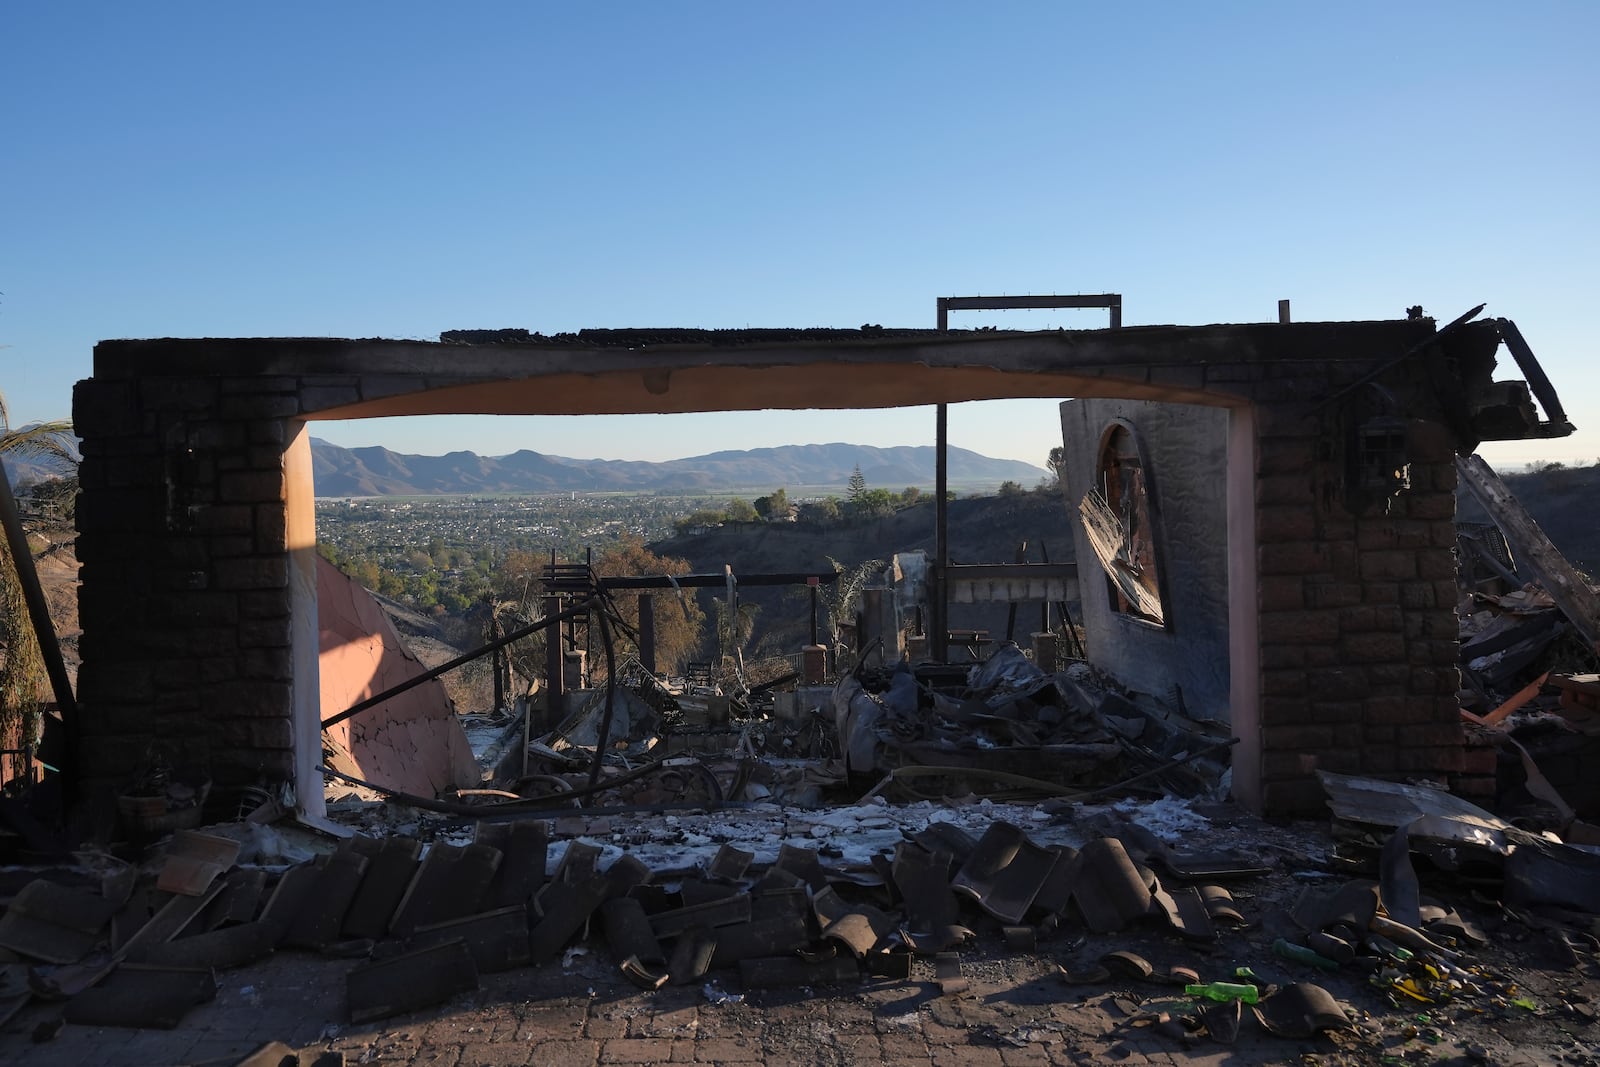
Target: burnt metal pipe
{"points": [[604, 734]]}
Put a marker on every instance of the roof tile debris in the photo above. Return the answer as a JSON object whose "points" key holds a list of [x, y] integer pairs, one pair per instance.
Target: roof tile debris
{"points": [[759, 910]]}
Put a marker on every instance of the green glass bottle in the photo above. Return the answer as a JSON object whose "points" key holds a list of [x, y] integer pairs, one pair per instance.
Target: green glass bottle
{"points": [[1224, 991]]}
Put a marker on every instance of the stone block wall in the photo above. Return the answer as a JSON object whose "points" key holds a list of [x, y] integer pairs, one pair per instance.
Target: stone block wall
{"points": [[185, 598], [1358, 632]]}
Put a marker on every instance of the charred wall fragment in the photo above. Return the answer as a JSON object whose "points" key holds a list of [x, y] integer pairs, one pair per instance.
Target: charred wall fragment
{"points": [[1181, 655]]}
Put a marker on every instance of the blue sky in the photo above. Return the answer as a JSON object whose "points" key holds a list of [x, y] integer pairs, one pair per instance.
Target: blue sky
{"points": [[397, 169]]}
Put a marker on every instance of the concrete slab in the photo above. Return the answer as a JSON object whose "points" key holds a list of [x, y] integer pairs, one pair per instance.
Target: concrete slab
{"points": [[321, 916], [524, 850], [54, 923], [414, 980], [450, 884], [277, 1054], [229, 947], [713, 913], [422, 901], [174, 917], [238, 902], [769, 937], [291, 894], [194, 861], [778, 972], [497, 940], [388, 875], [567, 907], [628, 932], [143, 996]]}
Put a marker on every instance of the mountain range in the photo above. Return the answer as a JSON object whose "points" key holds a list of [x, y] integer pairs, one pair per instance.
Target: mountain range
{"points": [[376, 471]]}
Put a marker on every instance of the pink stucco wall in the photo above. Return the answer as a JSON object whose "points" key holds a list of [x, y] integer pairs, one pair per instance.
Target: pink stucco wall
{"points": [[411, 742]]}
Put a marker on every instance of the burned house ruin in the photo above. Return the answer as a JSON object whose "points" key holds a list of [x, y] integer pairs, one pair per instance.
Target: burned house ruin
{"points": [[1284, 493]]}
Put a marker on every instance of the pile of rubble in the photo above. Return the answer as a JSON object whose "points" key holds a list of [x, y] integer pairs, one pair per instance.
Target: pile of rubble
{"points": [[1005, 721], [1529, 632], [1002, 727]]}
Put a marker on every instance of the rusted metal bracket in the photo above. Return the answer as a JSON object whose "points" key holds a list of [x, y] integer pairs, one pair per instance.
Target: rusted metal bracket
{"points": [[1556, 423]]}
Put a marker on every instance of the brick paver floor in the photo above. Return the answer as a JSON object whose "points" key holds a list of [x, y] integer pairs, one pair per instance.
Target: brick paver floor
{"points": [[1018, 1013], [583, 1017]]}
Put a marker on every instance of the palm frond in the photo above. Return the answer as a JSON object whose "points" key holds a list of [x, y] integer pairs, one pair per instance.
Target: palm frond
{"points": [[52, 440]]}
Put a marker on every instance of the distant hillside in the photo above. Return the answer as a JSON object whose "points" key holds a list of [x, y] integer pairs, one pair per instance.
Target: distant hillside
{"points": [[376, 471], [29, 471]]}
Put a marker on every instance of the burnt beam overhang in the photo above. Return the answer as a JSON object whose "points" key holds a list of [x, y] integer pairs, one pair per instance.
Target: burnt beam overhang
{"points": [[601, 372]]}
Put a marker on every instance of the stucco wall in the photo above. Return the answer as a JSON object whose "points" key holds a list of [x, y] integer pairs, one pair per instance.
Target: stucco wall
{"points": [[1185, 450], [412, 742]]}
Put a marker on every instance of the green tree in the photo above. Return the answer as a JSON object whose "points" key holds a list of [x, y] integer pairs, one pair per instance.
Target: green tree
{"points": [[24, 681], [857, 483], [423, 590], [822, 512], [1057, 463], [741, 510], [366, 573], [53, 501], [871, 504], [700, 517], [774, 506]]}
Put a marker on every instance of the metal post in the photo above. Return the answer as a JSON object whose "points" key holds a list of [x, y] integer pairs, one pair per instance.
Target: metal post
{"points": [[938, 621], [941, 547], [815, 586], [497, 661], [554, 663], [647, 631], [732, 585]]}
